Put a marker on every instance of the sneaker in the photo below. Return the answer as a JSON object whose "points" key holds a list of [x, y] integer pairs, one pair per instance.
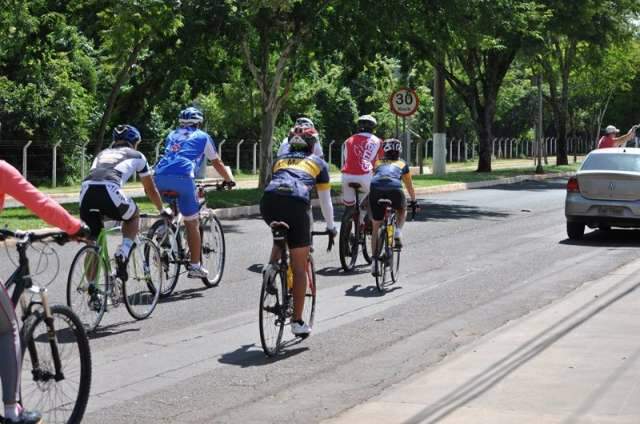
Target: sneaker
{"points": [[300, 329], [197, 272], [26, 417], [121, 266]]}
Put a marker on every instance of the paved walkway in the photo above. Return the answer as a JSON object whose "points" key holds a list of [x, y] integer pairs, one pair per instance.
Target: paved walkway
{"points": [[575, 361]]}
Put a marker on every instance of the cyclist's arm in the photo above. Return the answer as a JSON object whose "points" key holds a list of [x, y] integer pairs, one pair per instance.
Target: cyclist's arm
{"points": [[151, 191], [284, 147], [211, 154], [323, 186], [13, 184], [628, 136], [408, 183]]}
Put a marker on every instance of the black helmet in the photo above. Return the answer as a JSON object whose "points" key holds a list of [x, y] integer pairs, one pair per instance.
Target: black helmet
{"points": [[366, 123], [392, 148], [126, 133]]}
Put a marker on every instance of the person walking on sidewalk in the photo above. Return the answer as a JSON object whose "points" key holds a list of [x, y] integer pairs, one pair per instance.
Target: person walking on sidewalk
{"points": [[610, 139], [14, 184]]}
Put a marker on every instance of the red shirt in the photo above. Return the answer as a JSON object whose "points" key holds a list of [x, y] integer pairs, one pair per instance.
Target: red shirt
{"points": [[360, 151], [607, 141], [13, 184]]}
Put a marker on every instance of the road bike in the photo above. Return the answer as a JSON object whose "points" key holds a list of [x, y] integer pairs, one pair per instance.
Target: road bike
{"points": [[96, 282], [170, 236], [276, 293], [388, 254], [56, 366], [354, 234]]}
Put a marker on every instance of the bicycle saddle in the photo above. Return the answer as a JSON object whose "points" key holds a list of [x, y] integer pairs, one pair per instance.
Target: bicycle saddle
{"points": [[278, 225], [355, 185]]}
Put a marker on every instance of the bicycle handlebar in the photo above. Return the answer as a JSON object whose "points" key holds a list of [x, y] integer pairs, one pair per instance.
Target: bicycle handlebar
{"points": [[331, 235], [59, 237]]}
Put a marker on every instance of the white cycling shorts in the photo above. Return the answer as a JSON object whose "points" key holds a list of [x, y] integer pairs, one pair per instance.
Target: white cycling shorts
{"points": [[349, 193]]}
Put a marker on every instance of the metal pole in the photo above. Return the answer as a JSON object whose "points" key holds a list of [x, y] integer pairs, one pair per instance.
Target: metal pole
{"points": [[342, 147], [54, 171], [220, 148], [255, 157], [539, 169], [458, 158], [24, 158], [238, 154], [439, 130], [330, 152], [158, 149]]}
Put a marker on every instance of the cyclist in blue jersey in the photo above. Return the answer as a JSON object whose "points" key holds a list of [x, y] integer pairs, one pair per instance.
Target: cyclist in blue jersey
{"points": [[287, 199], [185, 148], [388, 175]]}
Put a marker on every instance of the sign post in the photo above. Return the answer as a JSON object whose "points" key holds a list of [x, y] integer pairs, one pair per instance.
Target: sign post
{"points": [[404, 102]]}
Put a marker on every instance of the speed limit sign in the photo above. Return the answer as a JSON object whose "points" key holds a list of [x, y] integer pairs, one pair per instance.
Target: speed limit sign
{"points": [[404, 102]]}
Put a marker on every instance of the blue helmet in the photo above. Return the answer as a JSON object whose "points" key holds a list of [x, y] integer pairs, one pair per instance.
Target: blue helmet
{"points": [[127, 133], [190, 116]]}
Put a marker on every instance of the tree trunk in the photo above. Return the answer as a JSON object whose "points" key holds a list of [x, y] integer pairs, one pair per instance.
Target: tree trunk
{"points": [[266, 146], [121, 78], [484, 129]]}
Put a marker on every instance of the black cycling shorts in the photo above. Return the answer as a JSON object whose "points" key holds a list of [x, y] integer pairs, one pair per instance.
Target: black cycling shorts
{"points": [[397, 197], [292, 211], [100, 200]]}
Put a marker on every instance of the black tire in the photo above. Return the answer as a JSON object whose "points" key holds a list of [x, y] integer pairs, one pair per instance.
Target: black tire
{"points": [[348, 243], [309, 312], [272, 312], [142, 289], [87, 294], [60, 400], [381, 276], [213, 249], [575, 230], [394, 260], [169, 245]]}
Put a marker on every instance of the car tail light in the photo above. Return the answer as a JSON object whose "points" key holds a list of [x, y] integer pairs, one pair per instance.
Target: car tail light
{"points": [[572, 185]]}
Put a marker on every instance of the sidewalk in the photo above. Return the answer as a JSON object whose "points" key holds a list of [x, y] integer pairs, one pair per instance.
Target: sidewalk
{"points": [[575, 361]]}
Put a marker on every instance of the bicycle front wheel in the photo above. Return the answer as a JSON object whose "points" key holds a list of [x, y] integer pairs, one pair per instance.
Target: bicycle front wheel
{"points": [[56, 366], [213, 249], [348, 243], [165, 238], [142, 289], [87, 287], [272, 314]]}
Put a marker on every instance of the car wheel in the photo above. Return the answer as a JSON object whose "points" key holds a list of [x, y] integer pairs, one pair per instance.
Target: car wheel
{"points": [[575, 230]]}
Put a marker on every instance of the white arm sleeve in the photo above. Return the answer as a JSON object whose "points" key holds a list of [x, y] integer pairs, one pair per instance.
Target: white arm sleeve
{"points": [[284, 147], [210, 151], [326, 207], [317, 150]]}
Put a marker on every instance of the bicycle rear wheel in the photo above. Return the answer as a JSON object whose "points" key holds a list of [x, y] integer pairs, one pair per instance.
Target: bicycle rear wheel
{"points": [[394, 260], [87, 287], [383, 257], [272, 313], [213, 249], [309, 312], [349, 232], [59, 393], [165, 238], [142, 289]]}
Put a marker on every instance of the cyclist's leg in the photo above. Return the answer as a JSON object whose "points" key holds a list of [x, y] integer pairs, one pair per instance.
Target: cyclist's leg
{"points": [[270, 213], [299, 241], [348, 193], [400, 205], [10, 355], [126, 210]]}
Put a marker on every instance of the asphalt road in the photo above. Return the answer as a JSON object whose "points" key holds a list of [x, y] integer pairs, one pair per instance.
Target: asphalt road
{"points": [[472, 261]]}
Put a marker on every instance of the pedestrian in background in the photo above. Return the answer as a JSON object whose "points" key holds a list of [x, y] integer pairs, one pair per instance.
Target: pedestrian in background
{"points": [[609, 138]]}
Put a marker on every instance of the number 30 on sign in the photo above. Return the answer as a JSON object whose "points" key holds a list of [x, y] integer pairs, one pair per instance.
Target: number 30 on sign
{"points": [[404, 102]]}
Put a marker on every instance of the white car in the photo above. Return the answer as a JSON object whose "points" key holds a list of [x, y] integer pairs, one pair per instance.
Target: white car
{"points": [[605, 192]]}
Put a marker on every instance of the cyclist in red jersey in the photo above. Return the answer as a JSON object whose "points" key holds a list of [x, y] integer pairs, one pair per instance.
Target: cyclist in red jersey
{"points": [[13, 184], [360, 152]]}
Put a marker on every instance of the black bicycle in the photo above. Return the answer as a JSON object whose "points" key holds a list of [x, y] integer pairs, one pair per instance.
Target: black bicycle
{"points": [[170, 236], [56, 368], [354, 234], [276, 297]]}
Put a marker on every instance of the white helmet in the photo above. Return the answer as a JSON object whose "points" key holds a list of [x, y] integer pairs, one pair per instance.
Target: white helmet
{"points": [[611, 130], [367, 123]]}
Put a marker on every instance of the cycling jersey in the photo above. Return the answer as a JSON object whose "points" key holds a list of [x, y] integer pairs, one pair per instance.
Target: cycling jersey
{"points": [[184, 150], [295, 174], [360, 151], [116, 165], [387, 174]]}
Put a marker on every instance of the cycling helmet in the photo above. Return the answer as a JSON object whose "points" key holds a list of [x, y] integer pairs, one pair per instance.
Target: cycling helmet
{"points": [[190, 116], [392, 148], [302, 139], [366, 123], [126, 133], [303, 121]]}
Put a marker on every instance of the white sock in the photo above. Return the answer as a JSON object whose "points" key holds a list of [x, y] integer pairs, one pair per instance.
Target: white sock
{"points": [[12, 412], [195, 265], [125, 247], [397, 233]]}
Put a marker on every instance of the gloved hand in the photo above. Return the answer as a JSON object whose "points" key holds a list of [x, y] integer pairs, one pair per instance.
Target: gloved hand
{"points": [[82, 234], [166, 213], [332, 231], [229, 184]]}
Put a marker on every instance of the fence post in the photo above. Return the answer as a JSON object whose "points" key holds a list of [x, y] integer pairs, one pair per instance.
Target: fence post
{"points": [[342, 154], [450, 150], [238, 154], [54, 171], [24, 158], [158, 149], [220, 148], [255, 157], [330, 154]]}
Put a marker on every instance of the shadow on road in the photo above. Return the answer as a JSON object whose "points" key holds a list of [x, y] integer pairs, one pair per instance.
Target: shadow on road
{"points": [[610, 238], [503, 367], [368, 291], [257, 268], [432, 211], [252, 356], [332, 271], [180, 295], [111, 330], [545, 185]]}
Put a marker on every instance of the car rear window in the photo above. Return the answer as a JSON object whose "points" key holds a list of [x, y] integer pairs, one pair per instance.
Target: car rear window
{"points": [[612, 162]]}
